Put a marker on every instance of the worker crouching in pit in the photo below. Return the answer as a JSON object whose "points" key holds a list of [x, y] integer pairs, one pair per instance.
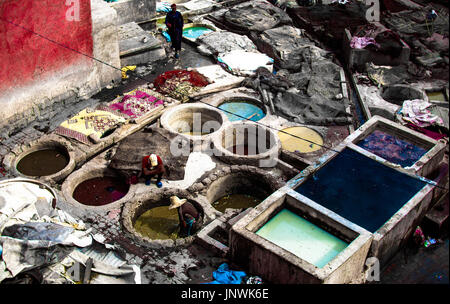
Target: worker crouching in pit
{"points": [[190, 217], [152, 165]]}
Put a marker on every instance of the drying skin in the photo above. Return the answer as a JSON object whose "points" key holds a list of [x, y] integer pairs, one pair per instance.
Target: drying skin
{"points": [[128, 157]]}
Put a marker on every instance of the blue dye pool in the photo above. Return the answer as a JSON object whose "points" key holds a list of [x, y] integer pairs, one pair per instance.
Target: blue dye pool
{"points": [[360, 189], [243, 109], [392, 149], [302, 238], [195, 32]]}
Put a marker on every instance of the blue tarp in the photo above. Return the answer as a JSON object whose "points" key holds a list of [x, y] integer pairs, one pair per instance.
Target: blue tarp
{"points": [[223, 275], [166, 35], [163, 7]]}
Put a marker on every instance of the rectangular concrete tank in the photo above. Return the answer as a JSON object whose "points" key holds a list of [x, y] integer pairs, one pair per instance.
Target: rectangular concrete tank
{"points": [[264, 253], [366, 191], [401, 145]]}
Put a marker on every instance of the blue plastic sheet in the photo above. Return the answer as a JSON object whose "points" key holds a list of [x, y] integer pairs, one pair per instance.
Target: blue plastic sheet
{"points": [[166, 35], [163, 7], [223, 275]]}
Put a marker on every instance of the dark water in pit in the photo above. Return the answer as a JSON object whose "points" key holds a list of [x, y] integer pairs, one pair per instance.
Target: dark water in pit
{"points": [[100, 191], [360, 189], [244, 150], [158, 223], [392, 148], [43, 162], [235, 201]]}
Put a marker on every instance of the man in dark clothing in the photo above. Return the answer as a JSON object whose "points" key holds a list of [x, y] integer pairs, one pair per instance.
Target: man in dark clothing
{"points": [[152, 165], [190, 218], [174, 23]]}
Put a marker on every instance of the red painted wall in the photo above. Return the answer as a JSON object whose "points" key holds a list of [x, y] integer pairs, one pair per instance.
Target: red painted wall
{"points": [[25, 57]]}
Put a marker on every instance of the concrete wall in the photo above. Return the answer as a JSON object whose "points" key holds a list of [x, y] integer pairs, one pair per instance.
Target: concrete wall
{"points": [[277, 265], [357, 58], [106, 42], [41, 76], [27, 57], [427, 164], [393, 234], [134, 10]]}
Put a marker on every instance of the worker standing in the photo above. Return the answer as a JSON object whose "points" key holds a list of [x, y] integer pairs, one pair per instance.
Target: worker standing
{"points": [[152, 165], [174, 23], [190, 218]]}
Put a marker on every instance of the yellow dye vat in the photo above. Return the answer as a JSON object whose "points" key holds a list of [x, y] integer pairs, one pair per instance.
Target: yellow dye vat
{"points": [[290, 143], [158, 223]]}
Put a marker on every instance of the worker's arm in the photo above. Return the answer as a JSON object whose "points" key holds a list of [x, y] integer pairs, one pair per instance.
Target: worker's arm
{"points": [[168, 21], [181, 218], [147, 171], [159, 168], [144, 166]]}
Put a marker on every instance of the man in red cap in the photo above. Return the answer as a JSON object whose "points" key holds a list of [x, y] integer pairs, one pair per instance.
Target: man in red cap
{"points": [[174, 23]]}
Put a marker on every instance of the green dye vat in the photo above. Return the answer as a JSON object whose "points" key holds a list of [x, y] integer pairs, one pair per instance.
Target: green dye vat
{"points": [[195, 31], [302, 238], [235, 201], [437, 96], [158, 223]]}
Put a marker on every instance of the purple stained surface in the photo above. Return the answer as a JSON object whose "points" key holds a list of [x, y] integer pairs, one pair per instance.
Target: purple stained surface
{"points": [[392, 149]]}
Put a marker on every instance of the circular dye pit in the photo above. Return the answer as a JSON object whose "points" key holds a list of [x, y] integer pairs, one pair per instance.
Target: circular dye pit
{"points": [[240, 190], [158, 223], [313, 140], [189, 119], [150, 220], [235, 201], [100, 191], [397, 94], [195, 31], [43, 162], [244, 149], [18, 191], [243, 110], [248, 140]]}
